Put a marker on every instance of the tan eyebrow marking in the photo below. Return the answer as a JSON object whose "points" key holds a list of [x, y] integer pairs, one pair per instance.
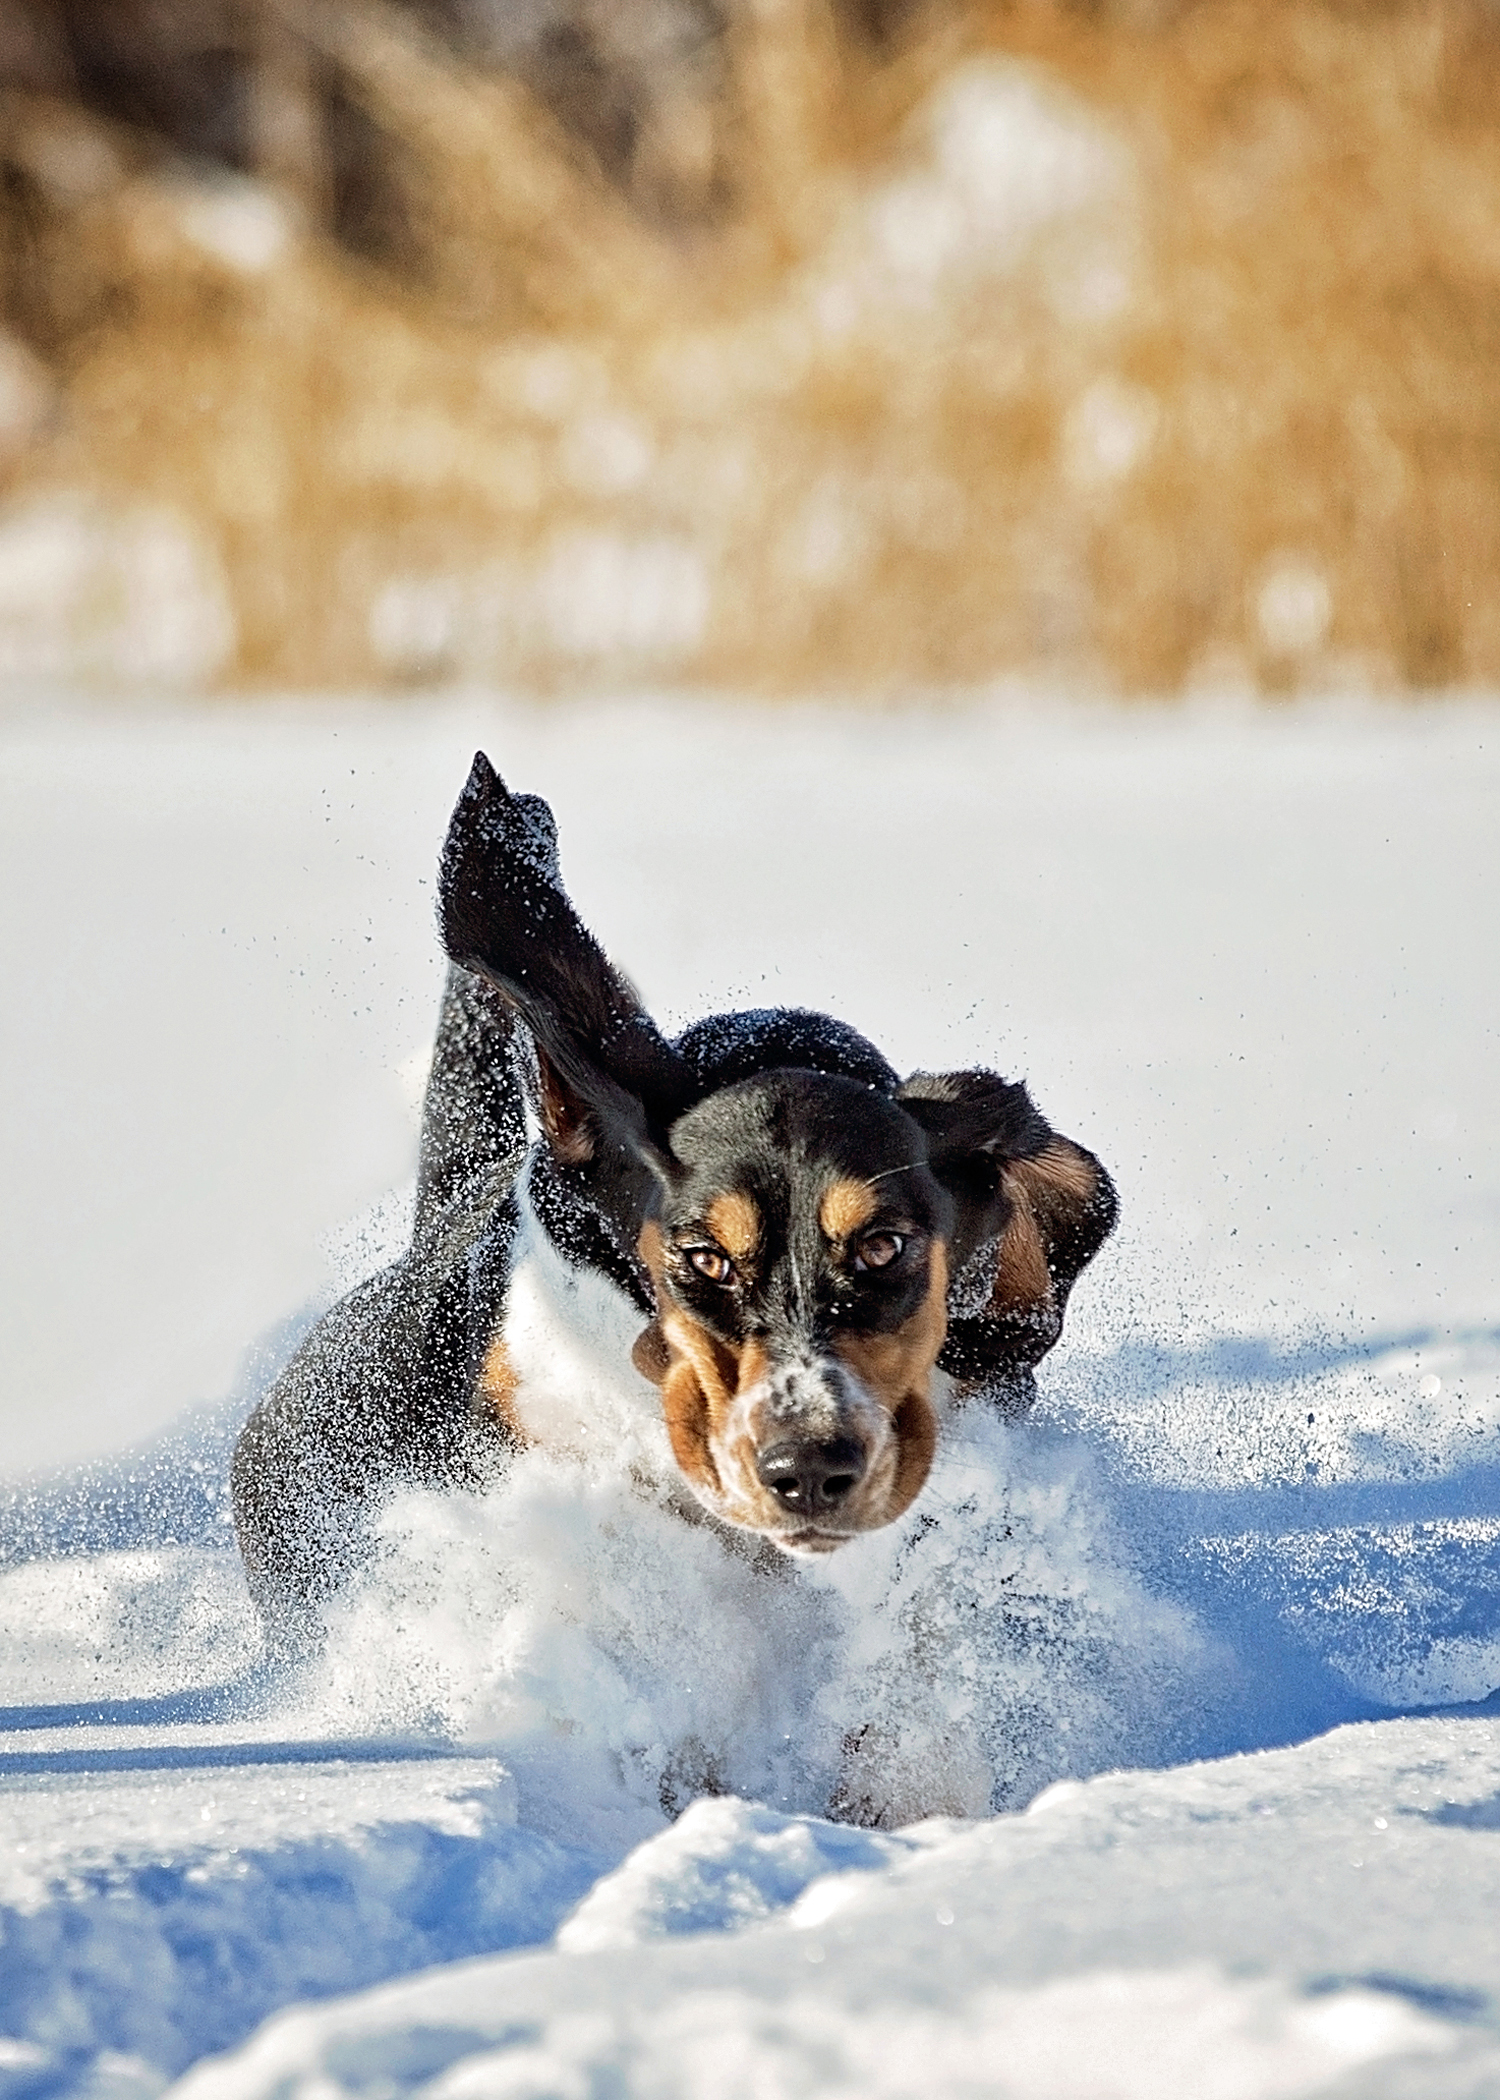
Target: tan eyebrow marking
{"points": [[734, 1222], [846, 1206]]}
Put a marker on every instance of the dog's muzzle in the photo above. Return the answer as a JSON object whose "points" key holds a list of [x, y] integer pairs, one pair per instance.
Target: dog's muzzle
{"points": [[816, 1433], [811, 1479]]}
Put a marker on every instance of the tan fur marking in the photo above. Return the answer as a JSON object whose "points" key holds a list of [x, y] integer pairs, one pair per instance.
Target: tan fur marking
{"points": [[498, 1387], [734, 1222], [685, 1410], [697, 1394], [894, 1366], [1040, 1190], [1021, 1276], [569, 1131], [916, 1435], [720, 1371], [846, 1206], [1059, 1175]]}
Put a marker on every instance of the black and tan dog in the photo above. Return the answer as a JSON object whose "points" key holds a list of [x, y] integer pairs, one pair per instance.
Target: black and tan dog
{"points": [[756, 1235]]}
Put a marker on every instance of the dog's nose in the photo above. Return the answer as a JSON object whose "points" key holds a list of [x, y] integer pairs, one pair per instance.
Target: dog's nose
{"points": [[808, 1477]]}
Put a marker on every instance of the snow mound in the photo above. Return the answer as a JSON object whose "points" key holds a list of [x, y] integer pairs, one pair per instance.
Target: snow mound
{"points": [[158, 1899], [726, 1864], [1103, 2037], [1269, 1925]]}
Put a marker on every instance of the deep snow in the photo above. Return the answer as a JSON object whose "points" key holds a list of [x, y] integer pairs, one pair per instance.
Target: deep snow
{"points": [[1247, 955], [1260, 1926]]}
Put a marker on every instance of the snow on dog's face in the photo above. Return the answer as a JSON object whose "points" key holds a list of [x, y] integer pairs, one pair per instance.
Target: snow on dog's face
{"points": [[799, 1254]]}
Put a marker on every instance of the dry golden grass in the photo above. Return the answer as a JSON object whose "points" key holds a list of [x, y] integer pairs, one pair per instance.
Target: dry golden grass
{"points": [[1233, 412], [1322, 334]]}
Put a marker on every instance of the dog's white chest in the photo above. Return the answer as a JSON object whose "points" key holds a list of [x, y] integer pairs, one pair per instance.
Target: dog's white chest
{"points": [[559, 1369]]}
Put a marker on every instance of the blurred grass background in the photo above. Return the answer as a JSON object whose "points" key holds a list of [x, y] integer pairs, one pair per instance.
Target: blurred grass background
{"points": [[865, 344]]}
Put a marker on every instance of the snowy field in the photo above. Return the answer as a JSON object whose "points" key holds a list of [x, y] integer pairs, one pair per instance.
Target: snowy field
{"points": [[1177, 1704]]}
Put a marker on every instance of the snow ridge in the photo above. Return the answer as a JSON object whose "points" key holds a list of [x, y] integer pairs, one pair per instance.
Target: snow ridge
{"points": [[220, 1889]]}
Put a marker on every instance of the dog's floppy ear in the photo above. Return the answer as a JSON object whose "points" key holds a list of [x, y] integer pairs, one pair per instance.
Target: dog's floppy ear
{"points": [[505, 915], [1031, 1208]]}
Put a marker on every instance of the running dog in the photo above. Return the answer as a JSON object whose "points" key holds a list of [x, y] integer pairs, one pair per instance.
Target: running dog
{"points": [[758, 1233]]}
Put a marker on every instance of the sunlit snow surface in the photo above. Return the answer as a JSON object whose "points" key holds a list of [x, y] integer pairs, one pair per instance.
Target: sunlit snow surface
{"points": [[1248, 957]]}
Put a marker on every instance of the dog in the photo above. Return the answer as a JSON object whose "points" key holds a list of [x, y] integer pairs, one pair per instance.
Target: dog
{"points": [[757, 1235]]}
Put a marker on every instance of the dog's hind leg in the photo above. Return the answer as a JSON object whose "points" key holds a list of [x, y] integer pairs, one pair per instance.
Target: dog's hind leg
{"points": [[376, 1396], [380, 1392]]}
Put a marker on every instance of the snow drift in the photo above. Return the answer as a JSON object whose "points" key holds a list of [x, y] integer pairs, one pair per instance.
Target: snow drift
{"points": [[1083, 1689]]}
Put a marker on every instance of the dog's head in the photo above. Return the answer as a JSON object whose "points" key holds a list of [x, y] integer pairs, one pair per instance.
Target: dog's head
{"points": [[808, 1235], [799, 1251]]}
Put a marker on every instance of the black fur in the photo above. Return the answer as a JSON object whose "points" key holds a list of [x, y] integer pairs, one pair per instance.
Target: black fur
{"points": [[727, 1047], [505, 915], [782, 1137], [379, 1392], [383, 1391], [975, 1123]]}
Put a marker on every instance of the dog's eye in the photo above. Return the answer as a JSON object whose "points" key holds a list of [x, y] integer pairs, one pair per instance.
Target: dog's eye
{"points": [[879, 1250], [709, 1262]]}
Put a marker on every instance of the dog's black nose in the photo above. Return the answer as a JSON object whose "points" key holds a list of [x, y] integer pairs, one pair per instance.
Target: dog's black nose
{"points": [[808, 1477]]}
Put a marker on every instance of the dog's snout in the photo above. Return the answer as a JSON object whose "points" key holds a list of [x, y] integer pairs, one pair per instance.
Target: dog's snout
{"points": [[808, 1477]]}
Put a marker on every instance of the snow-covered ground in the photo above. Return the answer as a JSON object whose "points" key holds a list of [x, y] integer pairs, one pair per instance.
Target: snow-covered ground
{"points": [[1246, 954]]}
